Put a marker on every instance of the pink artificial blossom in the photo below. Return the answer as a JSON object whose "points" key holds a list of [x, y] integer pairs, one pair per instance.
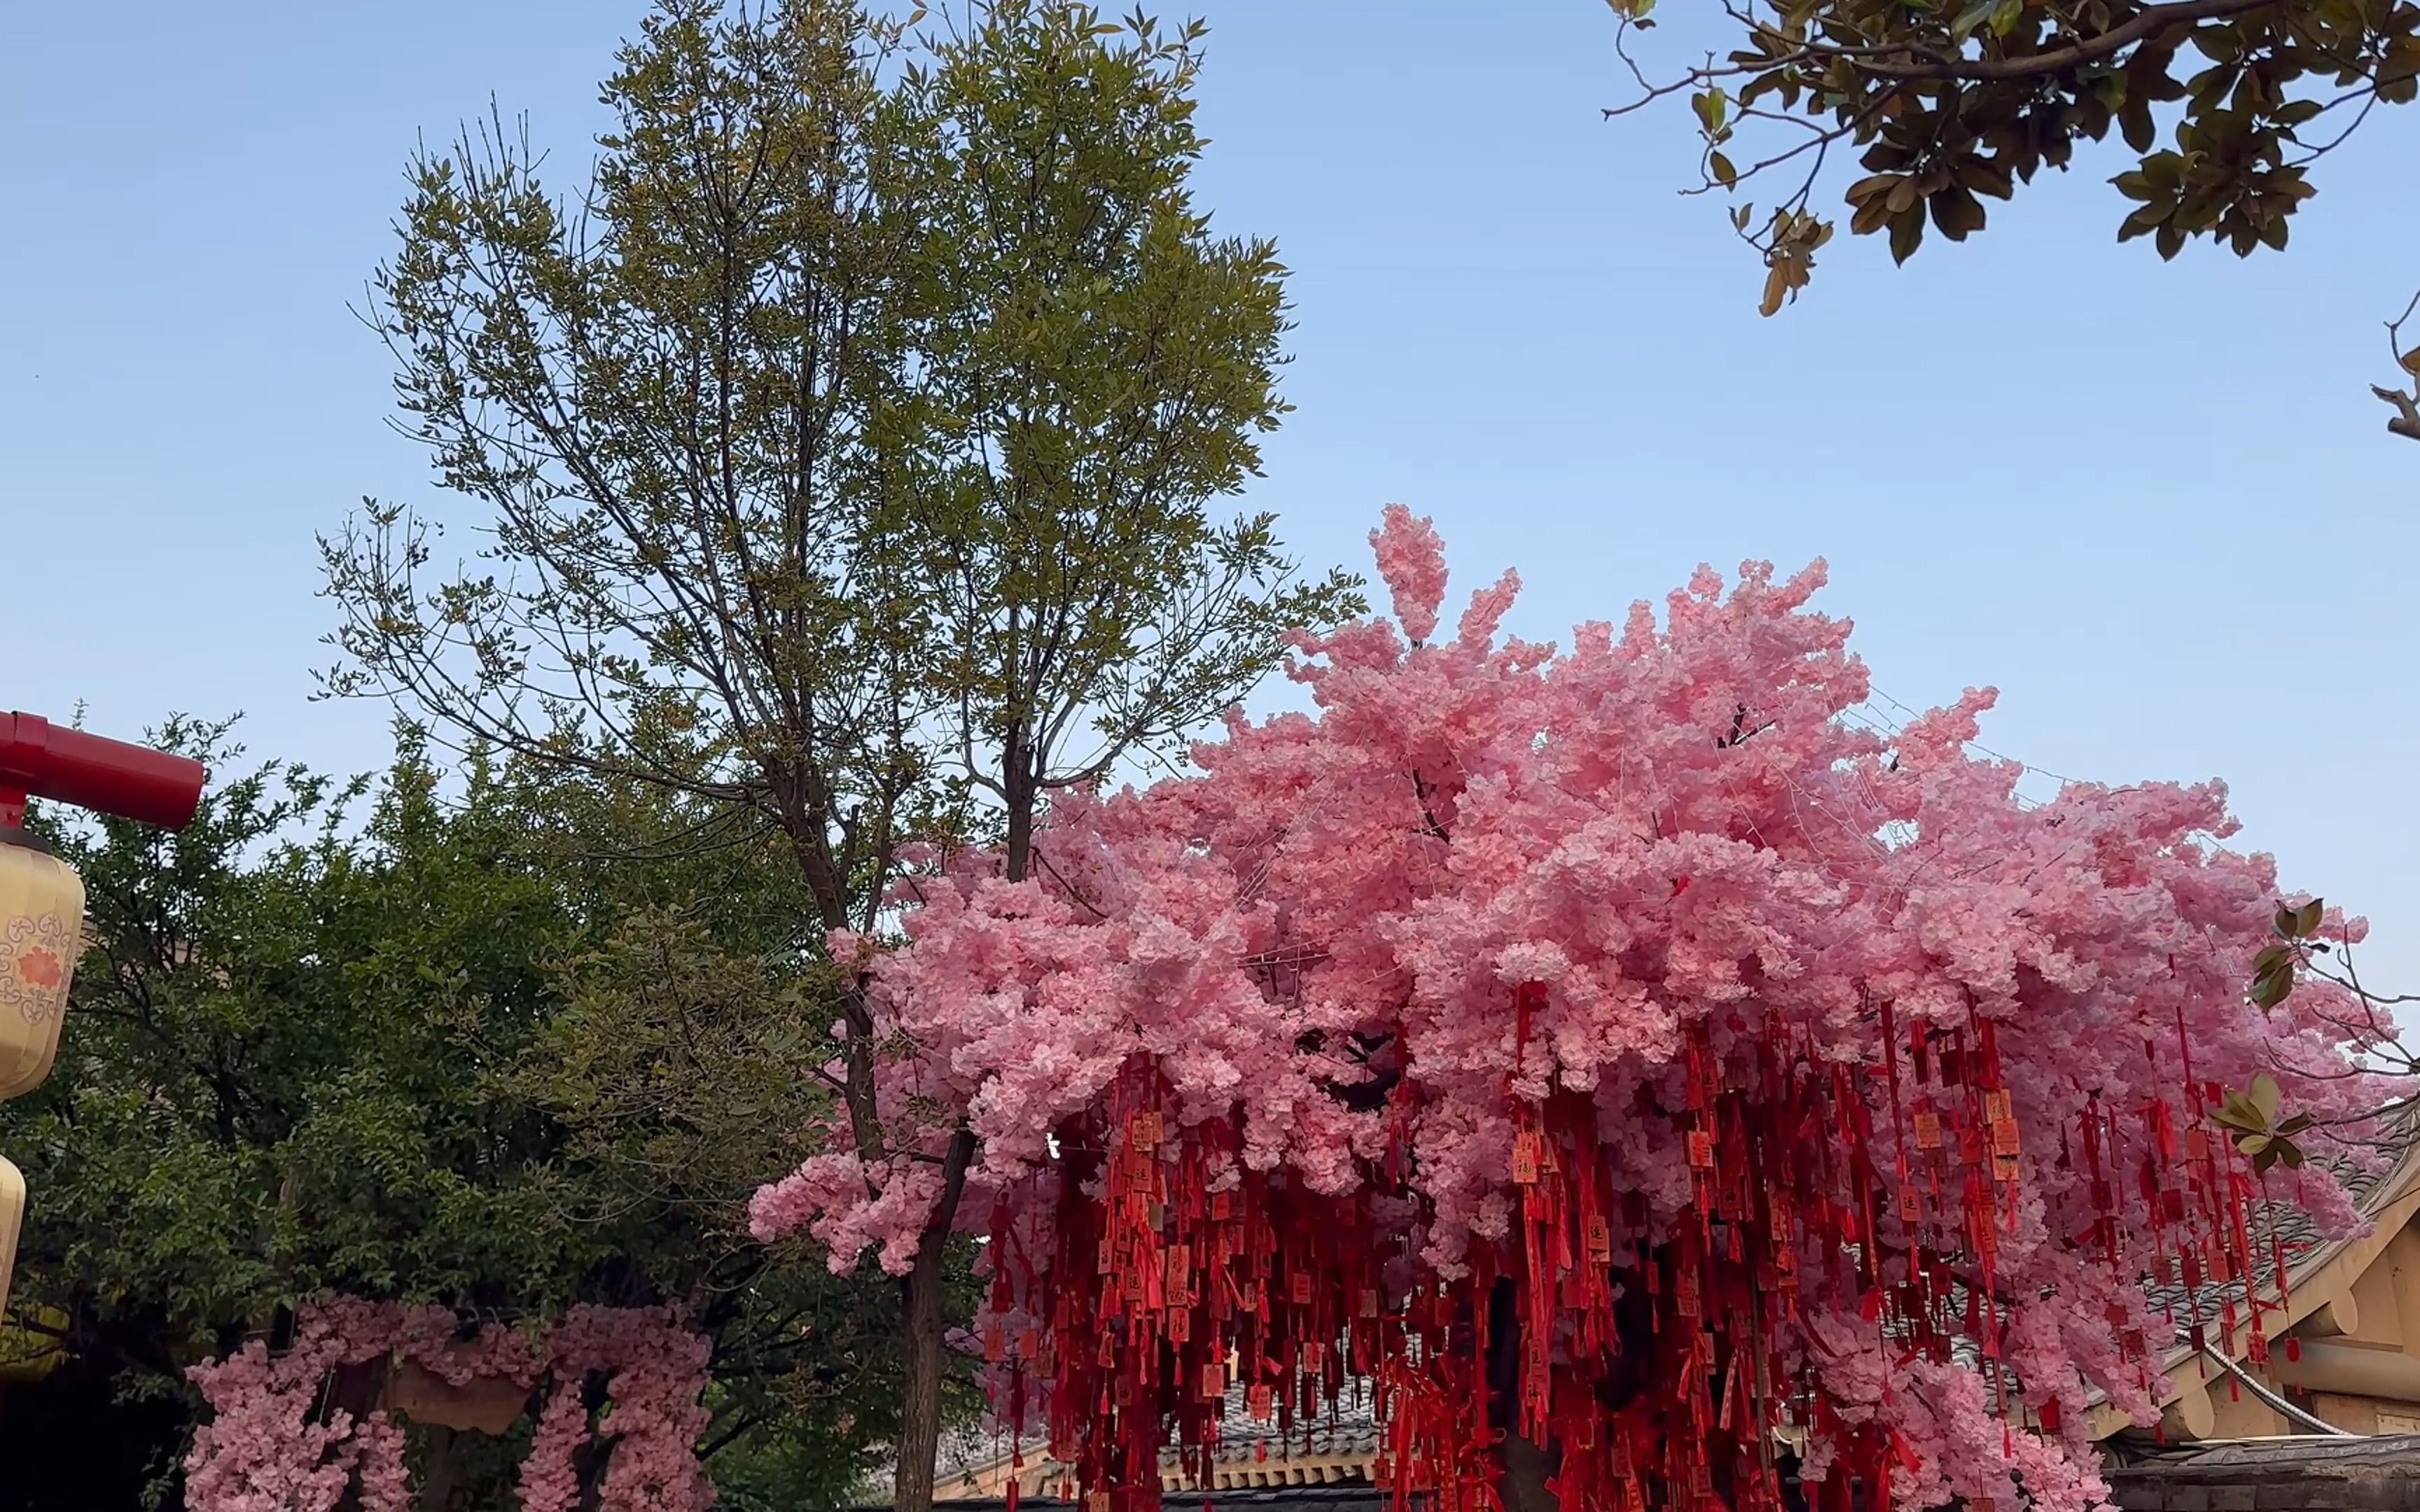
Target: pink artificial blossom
{"points": [[550, 1474], [386, 1482], [1676, 844], [266, 1447], [1411, 558]]}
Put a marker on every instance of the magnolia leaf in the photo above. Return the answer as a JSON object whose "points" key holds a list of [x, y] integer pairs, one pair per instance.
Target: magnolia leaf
{"points": [[2134, 121], [2238, 1114], [1723, 173], [1985, 175], [1906, 233], [2287, 923], [1776, 289], [2295, 1124], [2265, 1095], [2136, 185], [2310, 916], [2290, 1153], [2252, 1144], [1975, 13]]}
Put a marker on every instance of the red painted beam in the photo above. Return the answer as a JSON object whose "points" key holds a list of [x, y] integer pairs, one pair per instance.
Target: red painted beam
{"points": [[38, 759]]}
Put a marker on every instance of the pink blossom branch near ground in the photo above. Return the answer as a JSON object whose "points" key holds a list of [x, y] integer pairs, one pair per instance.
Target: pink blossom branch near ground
{"points": [[268, 1447]]}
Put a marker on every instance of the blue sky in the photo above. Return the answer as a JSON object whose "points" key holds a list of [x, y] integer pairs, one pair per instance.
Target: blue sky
{"points": [[2154, 504]]}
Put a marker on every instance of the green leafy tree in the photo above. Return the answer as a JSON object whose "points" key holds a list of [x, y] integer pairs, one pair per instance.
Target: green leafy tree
{"points": [[2226, 107], [333, 1037], [1103, 364], [851, 441]]}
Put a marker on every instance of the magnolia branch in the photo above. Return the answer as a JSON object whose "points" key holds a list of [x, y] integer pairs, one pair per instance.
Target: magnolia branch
{"points": [[2149, 22], [2406, 423], [1910, 63]]}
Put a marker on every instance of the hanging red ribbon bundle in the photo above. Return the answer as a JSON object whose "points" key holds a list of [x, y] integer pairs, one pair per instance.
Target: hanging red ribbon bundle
{"points": [[1662, 1364]]}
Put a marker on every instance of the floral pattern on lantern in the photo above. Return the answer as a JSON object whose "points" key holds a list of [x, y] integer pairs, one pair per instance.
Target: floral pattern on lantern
{"points": [[41, 934], [35, 967]]}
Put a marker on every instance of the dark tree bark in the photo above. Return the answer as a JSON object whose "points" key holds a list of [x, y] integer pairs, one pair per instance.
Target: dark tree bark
{"points": [[922, 1294], [1527, 1465]]}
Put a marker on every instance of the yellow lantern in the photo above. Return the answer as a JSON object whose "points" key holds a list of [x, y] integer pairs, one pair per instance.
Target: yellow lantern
{"points": [[41, 899], [12, 1217], [42, 934]]}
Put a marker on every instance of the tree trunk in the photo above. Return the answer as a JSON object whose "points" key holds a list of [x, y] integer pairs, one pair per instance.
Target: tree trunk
{"points": [[442, 1467], [1527, 1465], [1024, 793], [922, 1293], [355, 1390]]}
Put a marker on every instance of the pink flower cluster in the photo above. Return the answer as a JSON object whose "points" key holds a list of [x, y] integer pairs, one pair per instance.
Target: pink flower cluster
{"points": [[268, 1447], [1411, 557], [655, 1369], [1678, 828]]}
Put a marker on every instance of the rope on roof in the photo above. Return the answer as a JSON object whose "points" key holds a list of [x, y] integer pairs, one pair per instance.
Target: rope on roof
{"points": [[2279, 1404]]}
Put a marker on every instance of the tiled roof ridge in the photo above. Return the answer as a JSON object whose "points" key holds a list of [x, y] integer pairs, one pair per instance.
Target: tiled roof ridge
{"points": [[1350, 1426], [2281, 1222]]}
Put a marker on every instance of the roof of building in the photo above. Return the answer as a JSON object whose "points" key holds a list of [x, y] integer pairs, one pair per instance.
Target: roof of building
{"points": [[2385, 1192], [1359, 1497], [2282, 1223], [1335, 1447], [2376, 1473]]}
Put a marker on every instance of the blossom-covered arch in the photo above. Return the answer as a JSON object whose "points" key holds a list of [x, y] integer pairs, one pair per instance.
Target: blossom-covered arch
{"points": [[1621, 1050], [272, 1442]]}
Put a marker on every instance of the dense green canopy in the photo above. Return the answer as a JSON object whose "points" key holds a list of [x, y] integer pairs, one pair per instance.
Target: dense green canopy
{"points": [[506, 1048]]}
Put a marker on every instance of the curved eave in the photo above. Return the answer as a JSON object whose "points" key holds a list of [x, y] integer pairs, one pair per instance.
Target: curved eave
{"points": [[2325, 1274]]}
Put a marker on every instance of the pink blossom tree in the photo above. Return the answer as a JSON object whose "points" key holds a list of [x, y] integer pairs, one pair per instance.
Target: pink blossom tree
{"points": [[1620, 1056]]}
